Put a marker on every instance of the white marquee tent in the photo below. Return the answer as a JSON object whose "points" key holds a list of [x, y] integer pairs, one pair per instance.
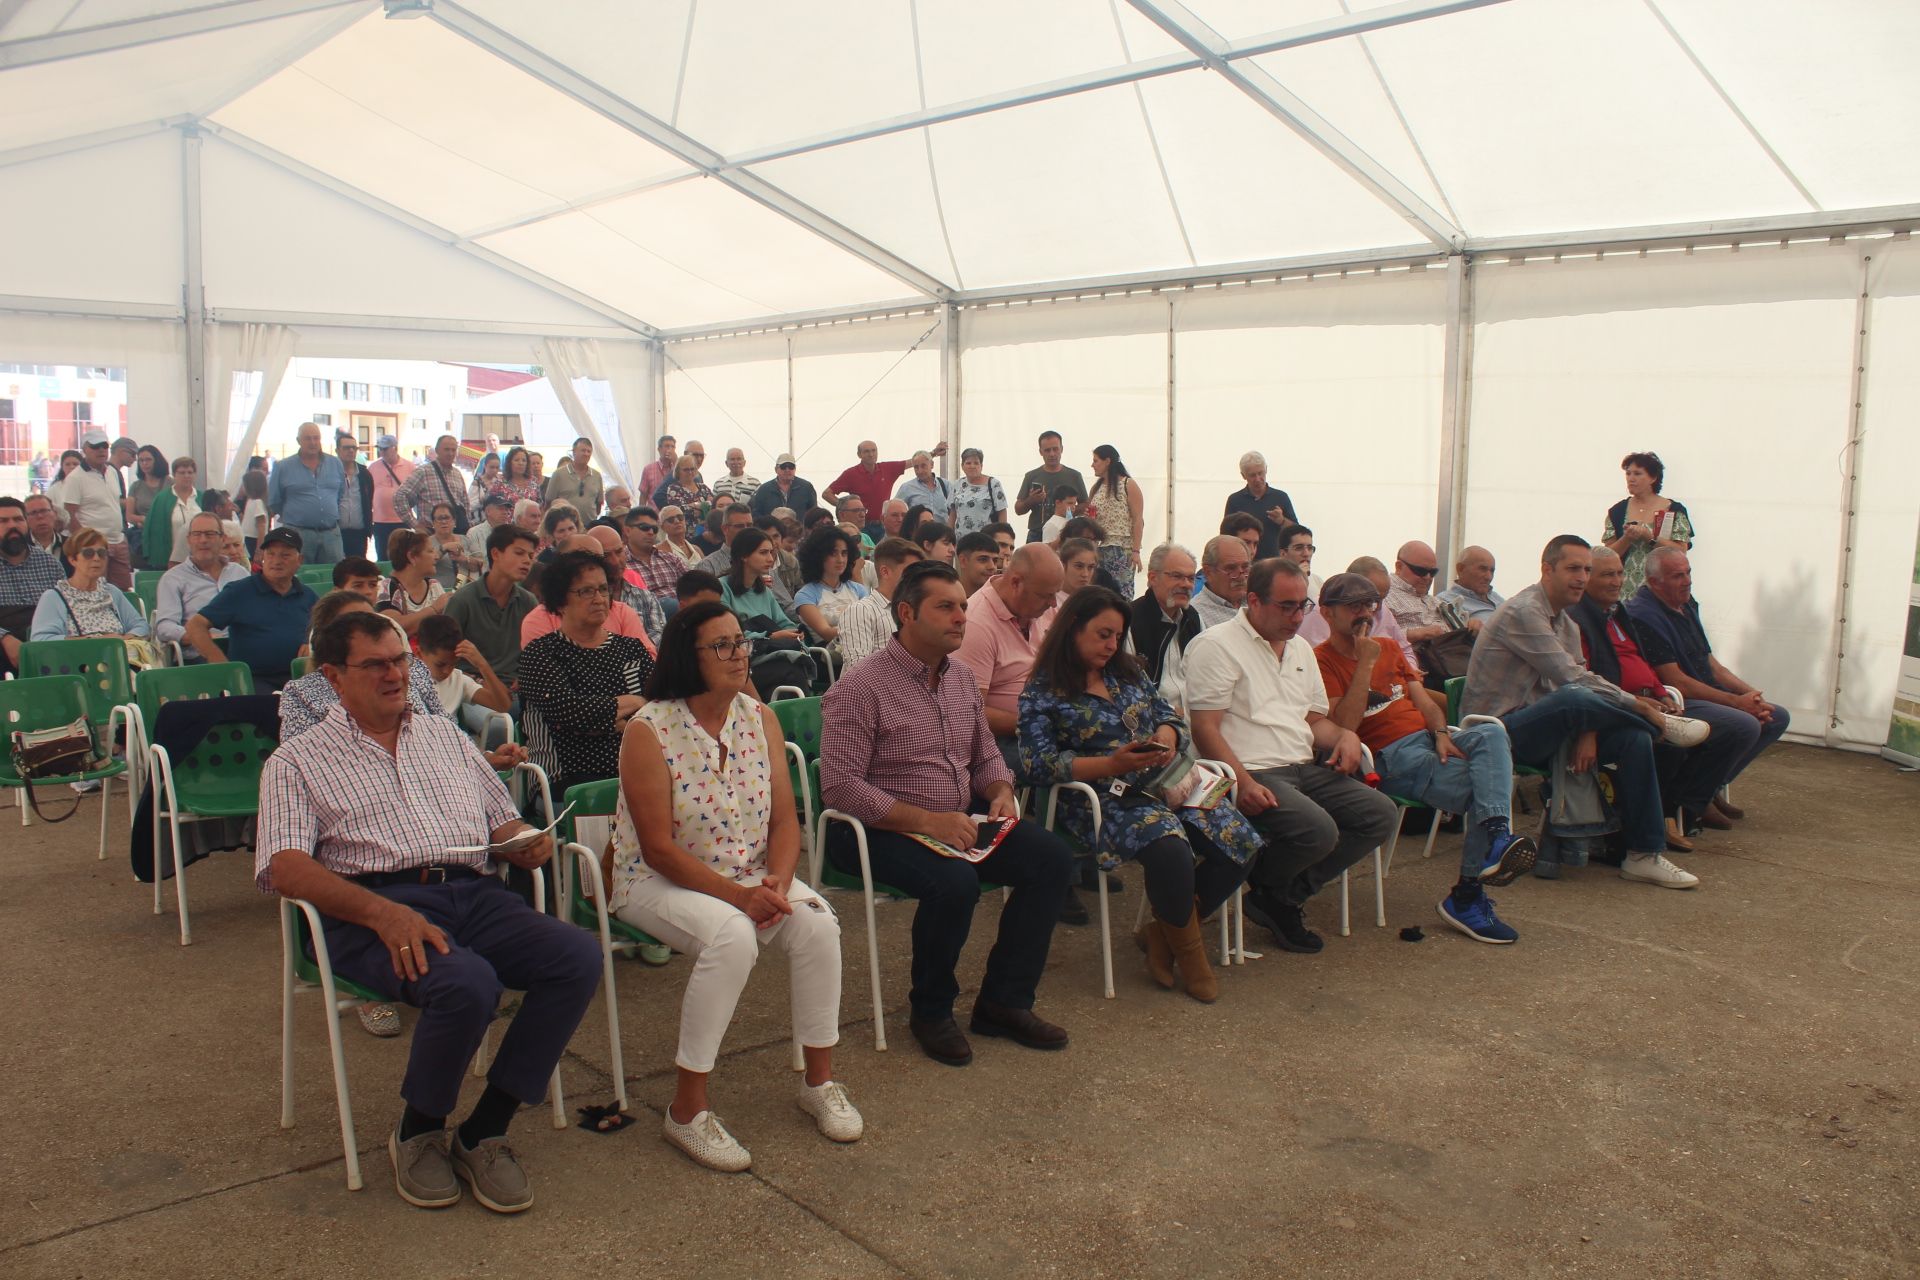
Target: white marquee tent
{"points": [[1444, 261]]}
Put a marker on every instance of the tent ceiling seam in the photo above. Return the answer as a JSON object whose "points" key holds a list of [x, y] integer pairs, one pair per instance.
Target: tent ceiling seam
{"points": [[1284, 105], [421, 226], [1153, 140], [282, 62], [596, 97], [686, 56], [88, 141], [926, 145], [1406, 126], [1713, 81]]}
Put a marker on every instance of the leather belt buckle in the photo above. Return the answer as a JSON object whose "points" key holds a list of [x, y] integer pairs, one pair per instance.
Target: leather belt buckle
{"points": [[433, 875]]}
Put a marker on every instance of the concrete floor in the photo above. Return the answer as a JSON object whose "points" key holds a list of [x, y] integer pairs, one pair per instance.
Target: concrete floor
{"points": [[1715, 1083]]}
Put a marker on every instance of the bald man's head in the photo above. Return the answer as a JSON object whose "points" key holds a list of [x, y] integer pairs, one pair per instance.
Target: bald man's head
{"points": [[583, 542], [1031, 581], [1416, 566], [1474, 570]]}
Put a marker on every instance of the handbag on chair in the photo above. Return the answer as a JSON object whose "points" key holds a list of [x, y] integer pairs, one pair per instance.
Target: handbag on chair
{"points": [[53, 753]]}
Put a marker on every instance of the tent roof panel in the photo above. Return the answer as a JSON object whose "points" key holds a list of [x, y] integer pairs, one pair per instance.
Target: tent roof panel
{"points": [[695, 252], [133, 247], [73, 97], [468, 146]]}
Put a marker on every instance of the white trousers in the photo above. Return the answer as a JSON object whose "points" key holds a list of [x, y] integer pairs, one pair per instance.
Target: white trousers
{"points": [[724, 945]]}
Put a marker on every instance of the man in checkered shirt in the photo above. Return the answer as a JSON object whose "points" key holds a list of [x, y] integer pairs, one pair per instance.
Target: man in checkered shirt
{"points": [[358, 816]]}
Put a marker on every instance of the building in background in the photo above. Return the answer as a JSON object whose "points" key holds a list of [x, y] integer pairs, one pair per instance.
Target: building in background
{"points": [[44, 408]]}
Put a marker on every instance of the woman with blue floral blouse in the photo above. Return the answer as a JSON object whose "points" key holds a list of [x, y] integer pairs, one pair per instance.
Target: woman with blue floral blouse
{"points": [[1090, 714]]}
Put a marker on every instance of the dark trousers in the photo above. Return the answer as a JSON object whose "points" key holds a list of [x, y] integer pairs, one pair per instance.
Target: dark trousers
{"points": [[381, 532], [353, 542], [1744, 735], [1031, 861], [1324, 822], [1183, 873], [496, 941], [1624, 740]]}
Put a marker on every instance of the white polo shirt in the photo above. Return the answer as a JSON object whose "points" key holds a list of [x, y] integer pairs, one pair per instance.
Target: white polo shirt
{"points": [[99, 501], [1266, 697]]}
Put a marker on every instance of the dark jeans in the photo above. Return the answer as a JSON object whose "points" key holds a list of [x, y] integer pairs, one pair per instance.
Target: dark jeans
{"points": [[1184, 874], [1744, 735], [353, 542], [381, 532], [496, 941], [1324, 823], [1031, 861], [1625, 741]]}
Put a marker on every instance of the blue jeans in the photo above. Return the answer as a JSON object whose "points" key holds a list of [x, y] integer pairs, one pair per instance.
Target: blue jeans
{"points": [[1480, 786], [318, 546], [1625, 742]]}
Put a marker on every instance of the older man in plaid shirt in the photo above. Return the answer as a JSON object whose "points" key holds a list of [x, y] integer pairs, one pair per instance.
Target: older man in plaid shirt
{"points": [[362, 816]]}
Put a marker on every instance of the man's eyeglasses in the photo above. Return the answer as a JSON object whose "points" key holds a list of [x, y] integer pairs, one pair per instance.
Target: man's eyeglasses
{"points": [[1301, 607], [1420, 570], [1310, 549], [380, 666], [725, 650]]}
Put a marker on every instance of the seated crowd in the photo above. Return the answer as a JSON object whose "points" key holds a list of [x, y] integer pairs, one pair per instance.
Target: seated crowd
{"points": [[958, 667]]}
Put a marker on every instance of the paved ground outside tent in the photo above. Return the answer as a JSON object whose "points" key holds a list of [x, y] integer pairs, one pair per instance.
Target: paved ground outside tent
{"points": [[1718, 1083]]}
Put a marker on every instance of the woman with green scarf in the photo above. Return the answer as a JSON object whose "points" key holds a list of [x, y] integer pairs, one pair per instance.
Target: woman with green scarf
{"points": [[173, 509]]}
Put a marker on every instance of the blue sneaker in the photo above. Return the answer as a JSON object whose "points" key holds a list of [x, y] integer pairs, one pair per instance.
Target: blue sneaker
{"points": [[1509, 858], [1476, 920]]}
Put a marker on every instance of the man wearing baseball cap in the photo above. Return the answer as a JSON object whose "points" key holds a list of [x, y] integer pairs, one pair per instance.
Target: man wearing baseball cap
{"points": [[786, 489], [496, 510], [1466, 771], [94, 495], [266, 617], [389, 471]]}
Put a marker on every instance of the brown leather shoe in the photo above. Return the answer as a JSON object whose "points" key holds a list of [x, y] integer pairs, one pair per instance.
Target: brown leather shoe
{"points": [[1152, 937], [941, 1040], [1022, 1026], [1728, 809], [1714, 820], [1190, 954], [1676, 839]]}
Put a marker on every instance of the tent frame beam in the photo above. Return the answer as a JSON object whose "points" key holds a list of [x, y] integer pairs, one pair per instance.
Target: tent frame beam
{"points": [[1315, 129], [194, 293], [347, 320], [1455, 401], [565, 80], [415, 223], [132, 33]]}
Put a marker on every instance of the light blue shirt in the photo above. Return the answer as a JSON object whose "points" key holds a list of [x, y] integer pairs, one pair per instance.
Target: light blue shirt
{"points": [[1470, 605], [303, 497], [182, 591], [937, 497]]}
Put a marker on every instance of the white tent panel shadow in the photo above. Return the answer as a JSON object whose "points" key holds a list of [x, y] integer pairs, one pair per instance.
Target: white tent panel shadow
{"points": [[122, 202]]}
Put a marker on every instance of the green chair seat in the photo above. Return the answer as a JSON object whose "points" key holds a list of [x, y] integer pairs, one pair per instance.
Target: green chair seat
{"points": [[307, 971], [800, 721], [220, 778]]}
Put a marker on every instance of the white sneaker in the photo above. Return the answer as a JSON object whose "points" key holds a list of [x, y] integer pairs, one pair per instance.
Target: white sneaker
{"points": [[830, 1107], [706, 1141], [1684, 732], [1651, 868]]}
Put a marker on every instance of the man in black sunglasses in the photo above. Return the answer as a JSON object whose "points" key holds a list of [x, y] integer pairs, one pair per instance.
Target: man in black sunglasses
{"points": [[1410, 594]]}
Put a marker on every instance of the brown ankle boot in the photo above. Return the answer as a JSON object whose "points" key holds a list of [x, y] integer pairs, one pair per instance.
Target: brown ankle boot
{"points": [[1152, 937], [1190, 957]]}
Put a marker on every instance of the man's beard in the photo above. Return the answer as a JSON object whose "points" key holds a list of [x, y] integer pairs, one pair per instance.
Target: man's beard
{"points": [[15, 543]]}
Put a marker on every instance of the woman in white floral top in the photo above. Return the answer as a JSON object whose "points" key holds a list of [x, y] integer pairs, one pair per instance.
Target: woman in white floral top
{"points": [[978, 499], [705, 845]]}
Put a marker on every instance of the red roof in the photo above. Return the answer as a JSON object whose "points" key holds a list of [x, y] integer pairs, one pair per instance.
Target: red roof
{"points": [[482, 379]]}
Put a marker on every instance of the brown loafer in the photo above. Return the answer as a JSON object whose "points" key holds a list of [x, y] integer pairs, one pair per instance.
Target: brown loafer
{"points": [[941, 1040], [1022, 1026], [1728, 809], [1714, 820], [1676, 839]]}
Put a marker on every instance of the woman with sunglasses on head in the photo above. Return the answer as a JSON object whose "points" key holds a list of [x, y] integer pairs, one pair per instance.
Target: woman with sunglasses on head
{"points": [[85, 604], [1090, 713], [705, 848]]}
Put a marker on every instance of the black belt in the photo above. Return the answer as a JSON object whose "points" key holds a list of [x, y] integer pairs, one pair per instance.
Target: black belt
{"points": [[417, 875]]}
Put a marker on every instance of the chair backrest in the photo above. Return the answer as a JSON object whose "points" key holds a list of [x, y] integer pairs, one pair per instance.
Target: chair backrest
{"points": [[100, 662], [157, 686], [1455, 688], [46, 702], [146, 587], [299, 667], [226, 763], [589, 800], [800, 721], [318, 576]]}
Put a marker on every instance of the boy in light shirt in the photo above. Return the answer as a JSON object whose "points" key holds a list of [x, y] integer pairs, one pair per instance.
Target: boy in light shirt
{"points": [[1065, 504], [442, 644]]}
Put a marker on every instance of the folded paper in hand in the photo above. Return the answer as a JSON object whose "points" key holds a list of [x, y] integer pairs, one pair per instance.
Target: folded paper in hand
{"points": [[989, 832], [513, 843]]}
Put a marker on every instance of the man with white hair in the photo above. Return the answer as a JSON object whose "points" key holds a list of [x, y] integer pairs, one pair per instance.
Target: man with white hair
{"points": [[1270, 506], [527, 515], [1472, 594], [1164, 622], [1226, 561], [304, 492], [737, 484], [925, 489]]}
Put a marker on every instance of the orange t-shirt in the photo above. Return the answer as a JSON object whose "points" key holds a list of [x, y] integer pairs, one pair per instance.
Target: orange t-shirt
{"points": [[1390, 714]]}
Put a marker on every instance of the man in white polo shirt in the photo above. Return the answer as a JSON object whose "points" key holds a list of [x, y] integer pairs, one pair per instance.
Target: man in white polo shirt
{"points": [[1257, 703], [93, 495]]}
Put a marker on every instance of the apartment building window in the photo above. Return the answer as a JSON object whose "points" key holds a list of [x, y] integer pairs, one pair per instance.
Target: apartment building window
{"points": [[322, 419], [6, 411], [419, 425], [357, 391], [417, 395], [323, 388], [390, 395]]}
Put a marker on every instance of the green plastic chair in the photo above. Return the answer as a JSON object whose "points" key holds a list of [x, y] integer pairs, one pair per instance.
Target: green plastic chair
{"points": [[587, 907], [299, 667], [146, 589], [1456, 688], [49, 702], [800, 724], [219, 778], [101, 664], [155, 688]]}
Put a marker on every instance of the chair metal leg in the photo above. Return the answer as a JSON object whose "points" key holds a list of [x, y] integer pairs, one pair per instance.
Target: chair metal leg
{"points": [[799, 1055], [1106, 932], [106, 802], [1346, 926], [559, 1099], [26, 805], [873, 935], [287, 944], [349, 1145], [1432, 831], [1379, 890], [589, 873]]}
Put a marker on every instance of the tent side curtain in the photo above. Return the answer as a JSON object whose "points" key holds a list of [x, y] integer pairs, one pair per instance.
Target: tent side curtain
{"points": [[240, 353], [565, 360]]}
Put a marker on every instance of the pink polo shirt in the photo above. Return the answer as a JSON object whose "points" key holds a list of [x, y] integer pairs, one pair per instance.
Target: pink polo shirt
{"points": [[386, 478], [1000, 656]]}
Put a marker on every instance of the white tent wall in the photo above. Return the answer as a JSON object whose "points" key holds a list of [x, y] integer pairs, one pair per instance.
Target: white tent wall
{"points": [[1735, 368], [121, 202], [153, 352], [725, 392], [878, 382], [1337, 383]]}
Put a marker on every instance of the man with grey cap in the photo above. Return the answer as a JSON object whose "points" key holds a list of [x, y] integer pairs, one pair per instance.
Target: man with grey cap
{"points": [[495, 511], [1373, 692], [786, 489], [390, 472], [94, 495], [304, 491]]}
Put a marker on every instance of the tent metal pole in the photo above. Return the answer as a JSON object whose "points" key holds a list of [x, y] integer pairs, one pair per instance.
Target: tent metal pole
{"points": [[790, 438], [657, 372], [1455, 384], [950, 387], [132, 33], [194, 301], [1172, 425], [1850, 491]]}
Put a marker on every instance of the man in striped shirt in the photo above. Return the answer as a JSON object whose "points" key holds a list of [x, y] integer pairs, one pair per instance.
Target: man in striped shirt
{"points": [[364, 816]]}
